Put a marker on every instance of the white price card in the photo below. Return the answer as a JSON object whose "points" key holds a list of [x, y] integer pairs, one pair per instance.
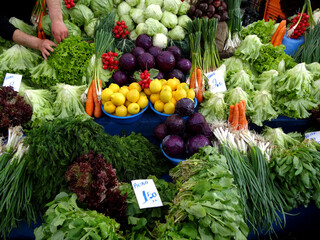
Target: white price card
{"points": [[216, 80], [13, 80], [146, 193], [313, 135]]}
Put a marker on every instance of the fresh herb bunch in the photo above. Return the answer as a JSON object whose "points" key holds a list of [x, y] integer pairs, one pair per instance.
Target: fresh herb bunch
{"points": [[16, 187], [71, 58], [143, 221], [208, 203], [64, 218], [96, 184], [14, 110]]}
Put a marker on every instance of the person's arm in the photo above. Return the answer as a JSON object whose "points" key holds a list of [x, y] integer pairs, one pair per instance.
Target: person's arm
{"points": [[58, 28], [44, 46]]}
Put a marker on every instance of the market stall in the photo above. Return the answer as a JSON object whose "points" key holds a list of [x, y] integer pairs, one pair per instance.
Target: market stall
{"points": [[162, 119]]}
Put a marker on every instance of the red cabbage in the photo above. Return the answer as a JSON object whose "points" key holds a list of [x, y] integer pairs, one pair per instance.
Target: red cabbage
{"points": [[154, 51], [175, 124], [176, 73], [195, 142], [176, 52], [184, 65], [144, 41], [165, 61], [120, 78], [196, 123], [127, 62], [137, 51], [146, 61], [160, 131], [173, 146]]}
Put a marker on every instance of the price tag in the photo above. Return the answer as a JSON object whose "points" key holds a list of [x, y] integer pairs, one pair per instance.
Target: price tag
{"points": [[313, 135], [146, 193], [216, 80], [13, 80]]}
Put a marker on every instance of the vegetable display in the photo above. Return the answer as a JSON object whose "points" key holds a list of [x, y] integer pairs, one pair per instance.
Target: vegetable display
{"points": [[212, 8]]}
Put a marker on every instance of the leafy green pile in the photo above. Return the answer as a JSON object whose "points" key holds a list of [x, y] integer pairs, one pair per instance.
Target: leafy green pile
{"points": [[64, 219], [207, 205], [261, 28], [214, 107], [55, 145], [71, 58], [143, 221]]}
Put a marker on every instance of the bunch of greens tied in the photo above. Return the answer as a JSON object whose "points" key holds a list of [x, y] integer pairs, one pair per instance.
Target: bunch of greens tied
{"points": [[207, 205]]}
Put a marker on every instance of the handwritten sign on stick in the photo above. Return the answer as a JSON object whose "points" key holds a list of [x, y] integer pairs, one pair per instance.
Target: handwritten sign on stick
{"points": [[146, 193]]}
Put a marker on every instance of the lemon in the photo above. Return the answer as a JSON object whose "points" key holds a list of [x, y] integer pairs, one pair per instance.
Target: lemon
{"points": [[173, 100], [114, 87], [133, 108], [135, 85], [118, 99], [159, 105], [177, 80], [172, 83], [124, 90], [155, 86], [103, 101], [106, 94], [127, 103], [165, 95], [191, 93], [143, 94], [147, 91], [183, 85], [181, 93], [109, 107], [133, 95], [121, 111], [166, 87], [154, 97], [163, 82], [143, 101], [169, 108]]}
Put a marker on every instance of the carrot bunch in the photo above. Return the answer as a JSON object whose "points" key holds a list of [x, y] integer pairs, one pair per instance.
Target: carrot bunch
{"points": [[276, 39], [93, 103], [196, 83], [38, 12], [237, 116]]}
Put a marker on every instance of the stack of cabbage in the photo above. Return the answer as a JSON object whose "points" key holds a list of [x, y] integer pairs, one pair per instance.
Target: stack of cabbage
{"points": [[157, 18]]}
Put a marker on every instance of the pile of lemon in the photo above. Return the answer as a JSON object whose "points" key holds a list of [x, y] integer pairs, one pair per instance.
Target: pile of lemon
{"points": [[125, 100], [164, 94]]}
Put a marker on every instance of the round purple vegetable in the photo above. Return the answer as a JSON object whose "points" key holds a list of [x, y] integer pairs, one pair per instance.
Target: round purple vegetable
{"points": [[195, 142], [154, 51], [176, 52], [127, 62], [173, 146], [144, 41], [166, 61], [160, 75], [176, 73], [137, 51], [196, 123], [160, 131], [184, 65], [120, 78], [175, 124], [184, 107], [146, 61]]}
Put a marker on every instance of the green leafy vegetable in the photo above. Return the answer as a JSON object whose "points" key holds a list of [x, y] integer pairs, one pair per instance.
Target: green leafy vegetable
{"points": [[263, 29], [80, 14], [263, 109], [65, 219], [70, 59], [24, 27], [68, 101], [44, 75], [249, 48], [240, 79], [265, 81], [213, 108]]}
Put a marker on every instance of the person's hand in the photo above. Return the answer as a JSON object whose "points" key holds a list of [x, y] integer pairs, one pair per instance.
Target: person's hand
{"points": [[59, 30], [46, 46]]}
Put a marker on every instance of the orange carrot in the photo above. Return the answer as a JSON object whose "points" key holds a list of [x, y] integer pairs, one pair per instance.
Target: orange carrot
{"points": [[193, 80], [282, 24], [90, 102], [200, 86], [278, 40], [97, 104], [244, 109], [230, 118], [235, 119], [242, 115]]}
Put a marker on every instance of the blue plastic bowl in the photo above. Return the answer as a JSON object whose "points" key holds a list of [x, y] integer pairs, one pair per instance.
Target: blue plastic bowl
{"points": [[292, 45], [175, 161], [128, 119], [164, 116]]}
